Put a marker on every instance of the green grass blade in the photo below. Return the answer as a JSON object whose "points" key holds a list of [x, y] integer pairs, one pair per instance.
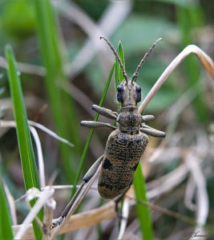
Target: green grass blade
{"points": [[23, 133], [29, 168], [6, 231], [61, 103], [143, 212], [91, 131], [118, 74]]}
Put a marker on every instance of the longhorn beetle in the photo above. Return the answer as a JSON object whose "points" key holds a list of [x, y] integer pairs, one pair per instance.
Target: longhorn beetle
{"points": [[125, 145]]}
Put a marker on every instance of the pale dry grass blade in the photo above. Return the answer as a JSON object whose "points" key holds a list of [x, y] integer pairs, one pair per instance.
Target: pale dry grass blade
{"points": [[202, 56], [202, 202], [51, 133], [89, 218], [44, 196], [41, 166], [11, 203], [192, 163], [48, 217], [124, 220], [189, 194]]}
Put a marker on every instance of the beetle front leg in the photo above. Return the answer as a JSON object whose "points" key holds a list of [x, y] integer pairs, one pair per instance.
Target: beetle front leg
{"points": [[152, 131], [93, 124], [90, 173], [105, 112]]}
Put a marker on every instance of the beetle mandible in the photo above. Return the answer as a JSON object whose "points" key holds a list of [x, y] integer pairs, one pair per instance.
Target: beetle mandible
{"points": [[125, 145]]}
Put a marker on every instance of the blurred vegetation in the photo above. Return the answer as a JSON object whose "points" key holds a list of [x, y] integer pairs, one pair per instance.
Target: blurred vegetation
{"points": [[54, 41]]}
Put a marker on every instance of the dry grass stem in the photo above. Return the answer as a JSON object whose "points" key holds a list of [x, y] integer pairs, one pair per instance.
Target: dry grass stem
{"points": [[189, 194], [48, 217], [192, 163], [124, 220], [203, 57]]}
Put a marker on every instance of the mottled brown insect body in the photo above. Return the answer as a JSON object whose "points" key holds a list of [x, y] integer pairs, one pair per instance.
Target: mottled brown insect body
{"points": [[121, 159], [124, 146]]}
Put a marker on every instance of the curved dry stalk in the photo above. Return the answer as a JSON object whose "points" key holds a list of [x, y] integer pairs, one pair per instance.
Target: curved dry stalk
{"points": [[202, 56]]}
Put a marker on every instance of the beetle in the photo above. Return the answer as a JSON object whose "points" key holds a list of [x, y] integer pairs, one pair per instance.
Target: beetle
{"points": [[125, 145]]}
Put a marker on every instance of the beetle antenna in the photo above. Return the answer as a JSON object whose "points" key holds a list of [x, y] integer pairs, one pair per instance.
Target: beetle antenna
{"points": [[135, 75], [118, 58]]}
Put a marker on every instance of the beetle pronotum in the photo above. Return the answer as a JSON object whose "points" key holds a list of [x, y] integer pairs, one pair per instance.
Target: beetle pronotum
{"points": [[125, 145]]}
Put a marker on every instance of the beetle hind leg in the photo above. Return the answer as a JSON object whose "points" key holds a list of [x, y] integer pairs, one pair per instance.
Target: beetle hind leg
{"points": [[118, 200], [89, 174]]}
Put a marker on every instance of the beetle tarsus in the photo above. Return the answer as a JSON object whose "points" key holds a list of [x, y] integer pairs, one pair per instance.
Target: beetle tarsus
{"points": [[57, 222]]}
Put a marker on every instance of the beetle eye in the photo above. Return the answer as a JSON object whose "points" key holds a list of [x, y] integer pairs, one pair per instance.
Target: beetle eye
{"points": [[138, 89], [119, 88]]}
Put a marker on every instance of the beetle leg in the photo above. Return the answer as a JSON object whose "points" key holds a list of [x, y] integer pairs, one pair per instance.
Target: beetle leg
{"points": [[146, 118], [105, 112], [93, 124], [90, 173], [152, 131], [118, 199]]}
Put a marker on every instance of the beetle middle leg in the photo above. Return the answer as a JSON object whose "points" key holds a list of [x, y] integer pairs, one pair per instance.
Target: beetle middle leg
{"points": [[90, 173], [152, 131]]}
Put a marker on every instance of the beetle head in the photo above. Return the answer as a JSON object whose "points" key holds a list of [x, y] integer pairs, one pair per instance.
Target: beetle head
{"points": [[128, 93]]}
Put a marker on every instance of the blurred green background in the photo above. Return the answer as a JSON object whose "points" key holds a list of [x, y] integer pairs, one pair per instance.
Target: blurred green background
{"points": [[63, 42]]}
